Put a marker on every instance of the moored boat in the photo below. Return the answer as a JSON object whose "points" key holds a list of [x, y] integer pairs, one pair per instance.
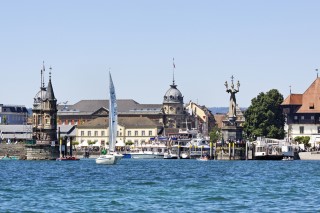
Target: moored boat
{"points": [[272, 149], [70, 158], [147, 155], [309, 155], [7, 157]]}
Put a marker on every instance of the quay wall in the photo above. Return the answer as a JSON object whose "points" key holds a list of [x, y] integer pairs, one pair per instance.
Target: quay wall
{"points": [[42, 152], [18, 150]]}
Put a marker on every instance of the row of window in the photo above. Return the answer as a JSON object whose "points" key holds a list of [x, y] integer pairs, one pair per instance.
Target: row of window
{"points": [[302, 129], [303, 117], [102, 133]]}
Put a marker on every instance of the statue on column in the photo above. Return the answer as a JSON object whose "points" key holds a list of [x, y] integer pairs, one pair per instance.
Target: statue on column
{"points": [[233, 102]]}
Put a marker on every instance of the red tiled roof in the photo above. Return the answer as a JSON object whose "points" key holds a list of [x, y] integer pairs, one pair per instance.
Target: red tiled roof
{"points": [[293, 99], [309, 100]]}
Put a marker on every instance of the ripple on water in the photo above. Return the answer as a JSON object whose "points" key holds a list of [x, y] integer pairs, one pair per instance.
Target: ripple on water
{"points": [[159, 186]]}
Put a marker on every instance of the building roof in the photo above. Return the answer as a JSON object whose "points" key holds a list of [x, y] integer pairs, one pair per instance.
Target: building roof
{"points": [[309, 101], [293, 99], [173, 95], [50, 94], [125, 106], [128, 122], [16, 128]]}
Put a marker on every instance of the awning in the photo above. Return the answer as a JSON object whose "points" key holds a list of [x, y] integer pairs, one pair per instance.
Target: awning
{"points": [[120, 144]]}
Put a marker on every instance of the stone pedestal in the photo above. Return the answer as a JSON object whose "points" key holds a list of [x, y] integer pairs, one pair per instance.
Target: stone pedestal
{"points": [[232, 130], [42, 152]]}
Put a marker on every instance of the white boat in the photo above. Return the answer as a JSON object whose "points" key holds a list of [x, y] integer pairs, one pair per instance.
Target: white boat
{"points": [[309, 155], [198, 147], [112, 157], [273, 149], [171, 154], [147, 155], [185, 155]]}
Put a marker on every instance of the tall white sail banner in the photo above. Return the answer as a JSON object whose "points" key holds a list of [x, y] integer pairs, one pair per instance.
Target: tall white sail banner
{"points": [[113, 115]]}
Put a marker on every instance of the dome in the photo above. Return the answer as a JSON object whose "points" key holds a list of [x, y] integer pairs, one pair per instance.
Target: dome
{"points": [[40, 95], [173, 95]]}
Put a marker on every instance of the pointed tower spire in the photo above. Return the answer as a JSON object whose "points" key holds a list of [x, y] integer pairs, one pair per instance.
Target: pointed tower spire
{"points": [[50, 93], [317, 73]]}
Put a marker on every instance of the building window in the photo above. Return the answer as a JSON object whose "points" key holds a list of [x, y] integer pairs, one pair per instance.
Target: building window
{"points": [[89, 133], [135, 133], [143, 133], [96, 133], [302, 117], [102, 133], [295, 117], [82, 133], [150, 133], [312, 117], [39, 120], [301, 129], [129, 133], [47, 120]]}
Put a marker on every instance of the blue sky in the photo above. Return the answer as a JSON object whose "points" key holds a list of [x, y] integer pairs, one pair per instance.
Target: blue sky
{"points": [[264, 44]]}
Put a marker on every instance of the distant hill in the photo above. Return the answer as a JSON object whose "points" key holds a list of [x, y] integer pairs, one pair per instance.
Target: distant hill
{"points": [[222, 110]]}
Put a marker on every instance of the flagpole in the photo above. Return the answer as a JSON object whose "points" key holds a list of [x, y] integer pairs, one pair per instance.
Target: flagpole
{"points": [[173, 68]]}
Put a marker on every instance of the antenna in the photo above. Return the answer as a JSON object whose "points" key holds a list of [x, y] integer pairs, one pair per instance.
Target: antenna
{"points": [[317, 73]]}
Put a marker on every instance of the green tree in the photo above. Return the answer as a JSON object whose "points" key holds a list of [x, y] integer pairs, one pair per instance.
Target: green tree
{"points": [[303, 140], [264, 116], [215, 134]]}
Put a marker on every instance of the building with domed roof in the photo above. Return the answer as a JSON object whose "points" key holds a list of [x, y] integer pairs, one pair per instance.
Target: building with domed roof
{"points": [[173, 108]]}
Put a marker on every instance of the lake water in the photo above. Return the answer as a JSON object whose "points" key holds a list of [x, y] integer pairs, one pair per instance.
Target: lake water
{"points": [[160, 186]]}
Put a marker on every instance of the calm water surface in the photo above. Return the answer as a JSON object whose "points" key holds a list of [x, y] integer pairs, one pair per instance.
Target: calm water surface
{"points": [[160, 186]]}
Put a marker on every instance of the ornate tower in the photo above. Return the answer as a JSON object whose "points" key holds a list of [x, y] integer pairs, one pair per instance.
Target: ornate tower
{"points": [[173, 107], [45, 114]]}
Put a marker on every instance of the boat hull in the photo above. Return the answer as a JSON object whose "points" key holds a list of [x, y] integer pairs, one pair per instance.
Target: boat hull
{"points": [[110, 159], [68, 159], [269, 157], [146, 156], [10, 158], [309, 155]]}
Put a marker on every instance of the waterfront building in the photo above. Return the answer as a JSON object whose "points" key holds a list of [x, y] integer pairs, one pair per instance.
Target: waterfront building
{"points": [[302, 112], [171, 114], [132, 130], [88, 110], [204, 119], [15, 133], [13, 115]]}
